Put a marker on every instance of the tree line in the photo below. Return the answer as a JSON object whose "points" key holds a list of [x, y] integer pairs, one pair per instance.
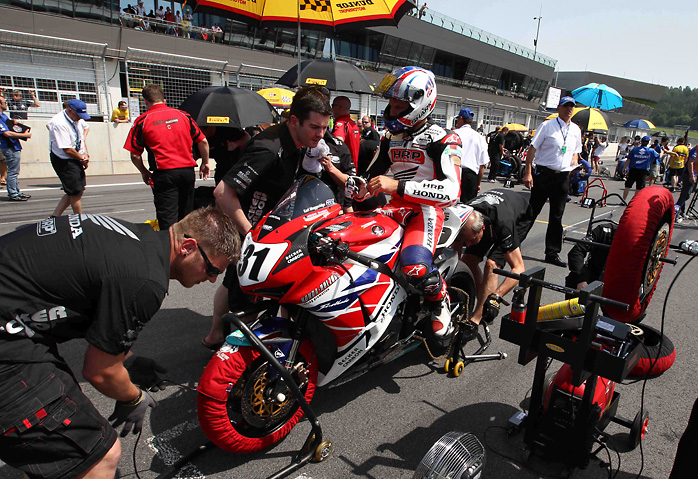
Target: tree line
{"points": [[678, 106]]}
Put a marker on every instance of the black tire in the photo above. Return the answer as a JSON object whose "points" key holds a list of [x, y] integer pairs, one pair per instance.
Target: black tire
{"points": [[638, 429], [650, 352]]}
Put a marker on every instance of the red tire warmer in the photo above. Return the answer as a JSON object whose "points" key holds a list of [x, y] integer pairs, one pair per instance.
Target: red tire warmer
{"points": [[665, 356]]}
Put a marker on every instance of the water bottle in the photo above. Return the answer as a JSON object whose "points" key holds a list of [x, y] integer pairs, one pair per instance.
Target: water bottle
{"points": [[689, 246]]}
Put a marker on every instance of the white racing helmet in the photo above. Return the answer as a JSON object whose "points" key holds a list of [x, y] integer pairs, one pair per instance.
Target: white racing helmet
{"points": [[414, 85]]}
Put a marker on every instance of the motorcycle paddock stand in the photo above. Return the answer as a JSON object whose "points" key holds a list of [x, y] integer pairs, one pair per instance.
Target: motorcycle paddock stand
{"points": [[459, 360]]}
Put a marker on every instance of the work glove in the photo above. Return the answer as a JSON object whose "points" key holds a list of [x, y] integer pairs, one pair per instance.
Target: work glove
{"points": [[145, 373], [131, 414], [490, 310], [355, 187]]}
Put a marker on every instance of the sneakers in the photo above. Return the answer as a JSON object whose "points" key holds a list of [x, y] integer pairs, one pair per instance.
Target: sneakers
{"points": [[19, 198], [441, 323], [24, 195]]}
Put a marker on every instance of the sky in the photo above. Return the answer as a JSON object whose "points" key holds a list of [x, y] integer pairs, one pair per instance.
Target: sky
{"points": [[651, 41]]}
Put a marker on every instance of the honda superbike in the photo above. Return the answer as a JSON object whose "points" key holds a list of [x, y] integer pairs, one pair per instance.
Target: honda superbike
{"points": [[338, 304]]}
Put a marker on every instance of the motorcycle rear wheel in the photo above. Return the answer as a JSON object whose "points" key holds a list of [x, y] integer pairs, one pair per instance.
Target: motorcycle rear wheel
{"points": [[234, 410]]}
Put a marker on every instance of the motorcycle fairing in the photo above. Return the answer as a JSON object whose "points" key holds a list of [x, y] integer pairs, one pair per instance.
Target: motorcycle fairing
{"points": [[454, 218]]}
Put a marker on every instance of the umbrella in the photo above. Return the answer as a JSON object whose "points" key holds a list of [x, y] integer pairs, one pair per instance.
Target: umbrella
{"points": [[589, 119], [335, 75], [279, 97], [314, 14], [229, 106], [597, 95], [515, 127], [640, 124]]}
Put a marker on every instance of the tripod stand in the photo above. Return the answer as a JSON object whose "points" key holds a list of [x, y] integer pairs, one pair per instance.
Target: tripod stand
{"points": [[691, 209]]}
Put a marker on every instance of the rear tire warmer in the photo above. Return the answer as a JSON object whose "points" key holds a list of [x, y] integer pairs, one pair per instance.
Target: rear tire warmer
{"points": [[219, 379], [643, 235], [648, 354]]}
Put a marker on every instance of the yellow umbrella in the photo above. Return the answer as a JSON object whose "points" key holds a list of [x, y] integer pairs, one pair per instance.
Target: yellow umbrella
{"points": [[589, 119], [515, 127], [280, 97]]}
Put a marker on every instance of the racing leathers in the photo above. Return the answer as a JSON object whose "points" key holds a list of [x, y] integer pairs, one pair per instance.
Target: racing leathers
{"points": [[426, 164]]}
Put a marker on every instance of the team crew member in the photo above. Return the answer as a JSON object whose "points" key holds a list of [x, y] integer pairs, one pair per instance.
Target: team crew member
{"points": [[331, 161], [101, 279], [168, 133], [638, 164], [69, 156], [688, 181], [424, 160], [473, 157], [677, 162], [345, 128], [507, 219], [555, 148], [496, 150], [268, 166], [584, 272]]}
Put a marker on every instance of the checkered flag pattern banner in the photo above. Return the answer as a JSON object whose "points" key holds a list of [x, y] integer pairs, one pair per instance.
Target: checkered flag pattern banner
{"points": [[316, 5]]}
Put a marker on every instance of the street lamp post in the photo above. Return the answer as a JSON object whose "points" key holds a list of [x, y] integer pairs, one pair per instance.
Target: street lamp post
{"points": [[535, 42]]}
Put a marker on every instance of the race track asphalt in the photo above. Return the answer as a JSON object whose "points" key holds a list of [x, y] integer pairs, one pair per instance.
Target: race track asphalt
{"points": [[383, 423]]}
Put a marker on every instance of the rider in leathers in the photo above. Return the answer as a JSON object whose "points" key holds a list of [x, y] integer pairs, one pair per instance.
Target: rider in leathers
{"points": [[424, 162]]}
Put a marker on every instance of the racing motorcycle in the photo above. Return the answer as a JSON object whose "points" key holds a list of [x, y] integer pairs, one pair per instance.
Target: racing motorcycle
{"points": [[337, 304]]}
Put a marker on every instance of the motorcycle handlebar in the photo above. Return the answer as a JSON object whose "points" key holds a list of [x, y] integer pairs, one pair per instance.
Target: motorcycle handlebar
{"points": [[564, 289]]}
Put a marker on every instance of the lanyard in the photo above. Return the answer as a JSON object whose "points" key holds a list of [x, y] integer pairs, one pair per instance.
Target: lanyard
{"points": [[77, 133], [563, 132]]}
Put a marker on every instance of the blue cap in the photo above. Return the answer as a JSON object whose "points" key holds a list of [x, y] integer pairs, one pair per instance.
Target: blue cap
{"points": [[646, 138], [466, 113], [79, 107], [567, 99]]}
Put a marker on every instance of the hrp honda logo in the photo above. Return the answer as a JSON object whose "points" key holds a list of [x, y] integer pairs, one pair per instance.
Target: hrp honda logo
{"points": [[407, 156]]}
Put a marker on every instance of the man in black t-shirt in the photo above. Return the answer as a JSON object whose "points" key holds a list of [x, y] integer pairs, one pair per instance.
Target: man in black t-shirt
{"points": [[507, 218], [268, 166], [495, 148], [101, 279], [368, 144]]}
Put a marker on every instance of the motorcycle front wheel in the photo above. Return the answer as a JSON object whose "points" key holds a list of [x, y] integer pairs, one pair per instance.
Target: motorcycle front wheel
{"points": [[241, 407]]}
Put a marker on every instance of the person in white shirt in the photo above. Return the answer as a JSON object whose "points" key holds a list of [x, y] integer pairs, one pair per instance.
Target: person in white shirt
{"points": [[598, 150], [69, 157], [140, 9], [556, 149], [474, 155]]}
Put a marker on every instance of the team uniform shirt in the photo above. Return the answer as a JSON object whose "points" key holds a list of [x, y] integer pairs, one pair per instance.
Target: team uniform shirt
{"points": [[65, 133], [473, 149], [642, 157], [79, 276], [496, 141], [507, 218], [7, 125], [117, 114], [556, 143], [168, 133], [348, 131], [268, 166], [426, 165], [677, 161]]}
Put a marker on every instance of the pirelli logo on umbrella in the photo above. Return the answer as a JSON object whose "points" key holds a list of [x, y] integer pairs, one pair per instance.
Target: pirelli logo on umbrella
{"points": [[316, 5], [315, 81], [218, 119]]}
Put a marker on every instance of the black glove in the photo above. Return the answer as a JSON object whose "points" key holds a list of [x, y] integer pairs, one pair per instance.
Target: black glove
{"points": [[145, 373], [131, 414], [490, 310]]}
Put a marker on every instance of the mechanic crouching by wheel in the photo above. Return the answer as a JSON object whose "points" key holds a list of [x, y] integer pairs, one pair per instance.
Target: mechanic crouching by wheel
{"points": [[501, 222], [102, 279], [584, 272], [424, 162]]}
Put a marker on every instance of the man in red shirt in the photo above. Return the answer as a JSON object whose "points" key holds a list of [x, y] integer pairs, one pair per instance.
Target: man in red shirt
{"points": [[168, 133], [345, 128]]}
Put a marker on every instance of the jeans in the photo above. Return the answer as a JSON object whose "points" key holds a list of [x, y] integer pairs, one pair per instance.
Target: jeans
{"points": [[12, 157]]}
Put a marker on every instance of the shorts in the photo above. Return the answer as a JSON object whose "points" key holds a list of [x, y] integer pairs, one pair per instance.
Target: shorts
{"points": [[675, 172], [654, 171], [48, 427], [636, 175], [71, 173]]}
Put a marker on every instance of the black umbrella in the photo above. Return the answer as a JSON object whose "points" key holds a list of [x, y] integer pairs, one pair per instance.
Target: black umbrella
{"points": [[335, 75], [229, 106]]}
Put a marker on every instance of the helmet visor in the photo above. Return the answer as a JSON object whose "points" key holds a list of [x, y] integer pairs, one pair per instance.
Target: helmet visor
{"points": [[386, 84]]}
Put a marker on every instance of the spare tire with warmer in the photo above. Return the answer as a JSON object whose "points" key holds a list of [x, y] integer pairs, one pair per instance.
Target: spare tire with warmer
{"points": [[642, 238], [665, 356]]}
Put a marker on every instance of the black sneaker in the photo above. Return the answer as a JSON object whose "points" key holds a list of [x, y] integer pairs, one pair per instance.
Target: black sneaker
{"points": [[24, 195], [18, 198], [556, 261]]}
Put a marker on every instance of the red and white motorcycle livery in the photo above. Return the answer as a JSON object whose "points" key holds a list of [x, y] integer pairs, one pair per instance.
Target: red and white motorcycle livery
{"points": [[341, 306]]}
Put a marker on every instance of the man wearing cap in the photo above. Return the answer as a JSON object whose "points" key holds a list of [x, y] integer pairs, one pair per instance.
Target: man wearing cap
{"points": [[555, 148], [473, 155], [69, 156], [638, 165]]}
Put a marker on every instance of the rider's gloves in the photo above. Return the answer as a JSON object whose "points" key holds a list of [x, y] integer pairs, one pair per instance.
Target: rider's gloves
{"points": [[355, 188], [490, 309], [131, 414], [145, 373]]}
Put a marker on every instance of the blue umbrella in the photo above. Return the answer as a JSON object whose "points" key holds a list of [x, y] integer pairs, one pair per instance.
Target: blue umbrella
{"points": [[597, 95], [640, 124]]}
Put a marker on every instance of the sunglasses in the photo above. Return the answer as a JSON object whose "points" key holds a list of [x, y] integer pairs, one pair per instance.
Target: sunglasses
{"points": [[210, 269]]}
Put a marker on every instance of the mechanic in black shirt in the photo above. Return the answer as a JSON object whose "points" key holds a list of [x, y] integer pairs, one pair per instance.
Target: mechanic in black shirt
{"points": [[102, 279], [507, 219], [496, 150], [582, 273], [269, 164]]}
